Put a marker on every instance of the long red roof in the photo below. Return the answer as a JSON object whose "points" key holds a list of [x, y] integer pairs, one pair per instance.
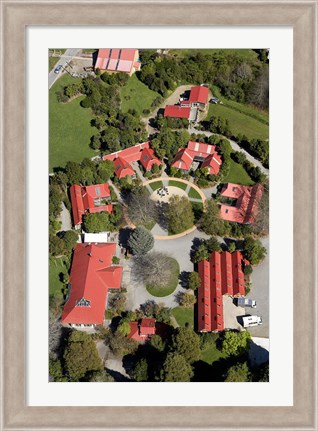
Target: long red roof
{"points": [[119, 60], [85, 199], [176, 111], [246, 205], [92, 275], [221, 275], [207, 152]]}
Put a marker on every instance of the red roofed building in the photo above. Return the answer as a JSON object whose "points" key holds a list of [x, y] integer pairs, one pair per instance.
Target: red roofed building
{"points": [[144, 330], [123, 168], [221, 275], [92, 276], [197, 151], [198, 98], [89, 199], [244, 203], [142, 153], [177, 111], [118, 60]]}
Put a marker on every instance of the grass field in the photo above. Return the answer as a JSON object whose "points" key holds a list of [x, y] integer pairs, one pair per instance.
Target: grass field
{"points": [[239, 122], [69, 128], [194, 194], [237, 175], [56, 266], [211, 354], [136, 95], [178, 184], [156, 185], [54, 60], [171, 286], [183, 316]]}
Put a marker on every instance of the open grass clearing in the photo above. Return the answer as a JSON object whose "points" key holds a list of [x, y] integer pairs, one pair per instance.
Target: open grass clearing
{"points": [[194, 194], [57, 266], [184, 316], [69, 127], [238, 175], [136, 95], [211, 354], [156, 185], [171, 285], [179, 184], [239, 122]]}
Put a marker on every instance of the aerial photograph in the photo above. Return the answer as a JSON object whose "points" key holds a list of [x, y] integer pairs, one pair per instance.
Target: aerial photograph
{"points": [[158, 215]]}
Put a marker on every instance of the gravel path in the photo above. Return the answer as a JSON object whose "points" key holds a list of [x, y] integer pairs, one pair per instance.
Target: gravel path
{"points": [[65, 218]]}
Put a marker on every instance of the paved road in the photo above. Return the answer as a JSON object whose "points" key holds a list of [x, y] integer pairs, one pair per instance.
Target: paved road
{"points": [[235, 147], [260, 292], [67, 56]]}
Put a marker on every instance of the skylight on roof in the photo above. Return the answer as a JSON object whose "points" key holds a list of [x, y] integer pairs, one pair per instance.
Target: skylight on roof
{"points": [[97, 190]]}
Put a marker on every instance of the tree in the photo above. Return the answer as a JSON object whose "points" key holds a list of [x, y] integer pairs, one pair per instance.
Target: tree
{"points": [[154, 268], [186, 342], [100, 376], [123, 328], [56, 245], [141, 209], [211, 222], [81, 356], [261, 222], [212, 244], [235, 343], [117, 302], [140, 372], [201, 253], [194, 281], [175, 369], [105, 169], [187, 300], [231, 247], [254, 250], [158, 343], [140, 241], [97, 222], [180, 214], [70, 238], [238, 373], [120, 344], [56, 371]]}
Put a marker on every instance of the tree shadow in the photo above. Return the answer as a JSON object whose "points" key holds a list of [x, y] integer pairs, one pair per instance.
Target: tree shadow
{"points": [[162, 215], [196, 242], [117, 376], [184, 279], [123, 236]]}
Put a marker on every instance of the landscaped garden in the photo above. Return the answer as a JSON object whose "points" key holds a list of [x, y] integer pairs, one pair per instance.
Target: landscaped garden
{"points": [[170, 286], [179, 184], [194, 194], [156, 185], [184, 316]]}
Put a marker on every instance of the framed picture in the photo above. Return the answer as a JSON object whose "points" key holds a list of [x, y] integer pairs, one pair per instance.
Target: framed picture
{"points": [[151, 411]]}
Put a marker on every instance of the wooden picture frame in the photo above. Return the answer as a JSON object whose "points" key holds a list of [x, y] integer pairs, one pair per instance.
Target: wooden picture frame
{"points": [[16, 16]]}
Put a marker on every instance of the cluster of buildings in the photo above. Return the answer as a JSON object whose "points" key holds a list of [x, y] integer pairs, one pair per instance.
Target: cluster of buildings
{"points": [[115, 60], [188, 108]]}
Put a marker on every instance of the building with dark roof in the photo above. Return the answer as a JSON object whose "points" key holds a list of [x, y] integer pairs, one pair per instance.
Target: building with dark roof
{"points": [[92, 276], [221, 275], [88, 200]]}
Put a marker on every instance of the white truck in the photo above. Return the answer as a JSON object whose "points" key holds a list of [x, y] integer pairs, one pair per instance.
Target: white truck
{"points": [[249, 320], [245, 302]]}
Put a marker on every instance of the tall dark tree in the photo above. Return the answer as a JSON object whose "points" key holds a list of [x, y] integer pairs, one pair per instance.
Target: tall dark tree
{"points": [[140, 241], [186, 342], [176, 369]]}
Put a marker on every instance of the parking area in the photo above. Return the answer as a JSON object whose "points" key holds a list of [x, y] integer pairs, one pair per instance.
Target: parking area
{"points": [[231, 312]]}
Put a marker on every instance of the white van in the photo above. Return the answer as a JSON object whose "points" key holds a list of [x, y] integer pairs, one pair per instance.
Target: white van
{"points": [[249, 320]]}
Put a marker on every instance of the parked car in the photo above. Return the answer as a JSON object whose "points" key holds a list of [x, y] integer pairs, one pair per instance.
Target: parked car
{"points": [[58, 68], [245, 302], [249, 320], [214, 100]]}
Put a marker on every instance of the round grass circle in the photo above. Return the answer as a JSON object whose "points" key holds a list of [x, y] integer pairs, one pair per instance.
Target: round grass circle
{"points": [[171, 286]]}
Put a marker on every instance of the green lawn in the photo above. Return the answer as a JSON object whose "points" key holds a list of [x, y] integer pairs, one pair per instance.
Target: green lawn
{"points": [[156, 185], [173, 183], [239, 122], [54, 60], [211, 354], [56, 266], [194, 194], [171, 286], [136, 95], [237, 175], [183, 316], [69, 128]]}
